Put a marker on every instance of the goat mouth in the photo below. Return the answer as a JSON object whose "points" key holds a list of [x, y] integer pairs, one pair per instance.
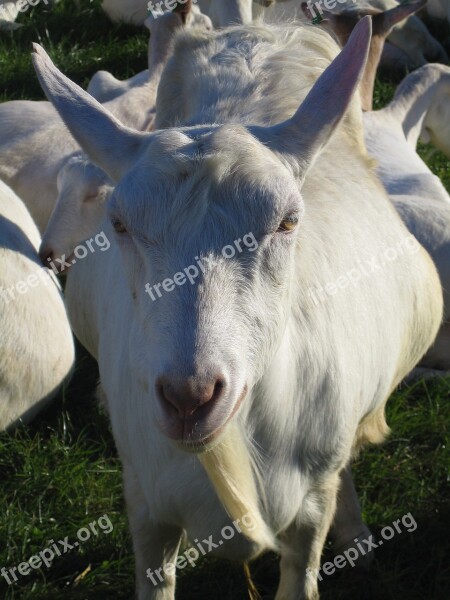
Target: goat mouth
{"points": [[199, 432]]}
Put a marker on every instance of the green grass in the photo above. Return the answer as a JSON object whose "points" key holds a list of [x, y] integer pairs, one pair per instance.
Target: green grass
{"points": [[62, 472]]}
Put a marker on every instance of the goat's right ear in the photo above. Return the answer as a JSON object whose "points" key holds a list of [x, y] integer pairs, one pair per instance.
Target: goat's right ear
{"points": [[108, 143], [399, 13], [309, 129]]}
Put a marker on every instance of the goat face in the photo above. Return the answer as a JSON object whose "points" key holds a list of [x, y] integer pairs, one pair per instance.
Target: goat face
{"points": [[207, 223]]}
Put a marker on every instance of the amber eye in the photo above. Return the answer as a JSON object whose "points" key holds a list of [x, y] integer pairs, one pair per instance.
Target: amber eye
{"points": [[289, 223], [118, 226]]}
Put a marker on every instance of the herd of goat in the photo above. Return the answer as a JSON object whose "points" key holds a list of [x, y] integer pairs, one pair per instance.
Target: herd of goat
{"points": [[240, 397]]}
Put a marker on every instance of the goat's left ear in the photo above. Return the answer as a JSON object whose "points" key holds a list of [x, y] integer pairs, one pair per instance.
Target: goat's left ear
{"points": [[108, 143], [305, 134]]}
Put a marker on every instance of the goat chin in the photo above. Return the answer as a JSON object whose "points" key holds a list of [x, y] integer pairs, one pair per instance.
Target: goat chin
{"points": [[229, 467]]}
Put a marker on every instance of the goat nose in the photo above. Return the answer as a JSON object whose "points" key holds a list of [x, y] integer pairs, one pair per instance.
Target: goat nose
{"points": [[46, 256], [187, 396]]}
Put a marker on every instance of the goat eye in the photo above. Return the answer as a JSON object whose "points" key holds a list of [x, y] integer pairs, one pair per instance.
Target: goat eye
{"points": [[289, 223], [118, 226]]}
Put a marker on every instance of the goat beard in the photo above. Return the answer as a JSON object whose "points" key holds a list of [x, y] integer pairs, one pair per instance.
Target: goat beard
{"points": [[228, 465]]}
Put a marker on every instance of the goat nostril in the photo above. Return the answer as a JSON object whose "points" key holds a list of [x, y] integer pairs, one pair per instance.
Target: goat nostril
{"points": [[219, 386], [188, 396], [168, 398], [159, 386], [160, 390]]}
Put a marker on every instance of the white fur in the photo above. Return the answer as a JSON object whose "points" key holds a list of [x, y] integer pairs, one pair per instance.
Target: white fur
{"points": [[34, 147], [222, 13], [228, 13], [436, 124], [83, 190], [78, 214], [37, 352], [317, 376], [413, 113], [104, 86], [417, 194]]}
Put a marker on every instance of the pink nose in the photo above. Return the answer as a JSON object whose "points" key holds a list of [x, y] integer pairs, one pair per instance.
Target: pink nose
{"points": [[185, 397]]}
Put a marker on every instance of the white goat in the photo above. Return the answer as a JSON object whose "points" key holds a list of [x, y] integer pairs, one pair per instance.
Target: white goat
{"points": [[78, 214], [35, 145], [434, 80], [104, 86], [410, 115], [221, 13], [244, 364], [36, 348], [79, 211]]}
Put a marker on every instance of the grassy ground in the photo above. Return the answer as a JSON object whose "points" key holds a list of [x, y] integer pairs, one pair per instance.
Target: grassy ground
{"points": [[62, 472]]}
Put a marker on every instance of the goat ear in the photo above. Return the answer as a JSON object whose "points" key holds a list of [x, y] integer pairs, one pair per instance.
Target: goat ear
{"points": [[108, 143], [391, 17], [305, 134]]}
